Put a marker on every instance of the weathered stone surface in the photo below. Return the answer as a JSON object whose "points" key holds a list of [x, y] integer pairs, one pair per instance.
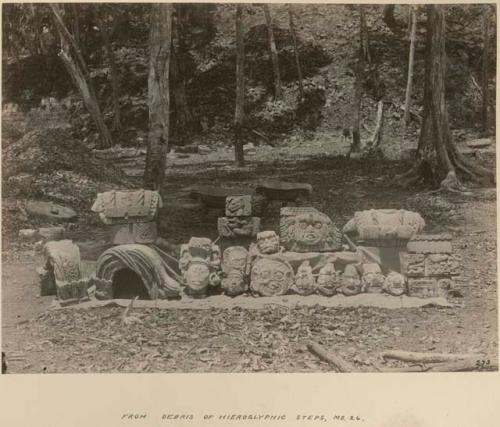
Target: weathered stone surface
{"points": [[238, 226], [145, 262], [395, 284], [234, 258], [413, 265], [28, 235], [444, 286], [285, 191], [211, 196], [271, 276], [384, 227], [479, 143], [351, 283], [50, 211], [304, 280], [72, 292], [239, 205], [200, 247], [197, 277], [103, 288], [63, 257], [51, 233], [328, 281], [430, 244], [268, 242], [308, 230], [423, 287], [235, 283], [372, 279]]}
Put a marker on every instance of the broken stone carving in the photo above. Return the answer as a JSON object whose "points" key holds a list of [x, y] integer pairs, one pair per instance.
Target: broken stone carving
{"points": [[395, 284], [239, 206], [328, 280], [234, 268], [145, 262], [384, 227], [199, 263], [372, 279], [132, 215], [304, 280], [268, 242], [308, 230], [238, 226], [430, 265], [351, 283], [271, 276], [61, 274]]}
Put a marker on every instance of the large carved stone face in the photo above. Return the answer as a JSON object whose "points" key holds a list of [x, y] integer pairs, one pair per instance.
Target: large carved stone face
{"points": [[197, 275], [310, 229], [268, 242], [271, 277]]}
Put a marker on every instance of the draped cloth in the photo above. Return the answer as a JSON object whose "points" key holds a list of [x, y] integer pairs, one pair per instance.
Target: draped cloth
{"points": [[145, 262]]}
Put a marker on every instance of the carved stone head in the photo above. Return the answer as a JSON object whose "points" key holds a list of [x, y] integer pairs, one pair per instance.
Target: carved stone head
{"points": [[351, 283], [372, 279], [239, 206], [268, 242], [271, 277], [197, 275], [328, 280], [395, 284], [308, 230], [234, 283], [235, 258], [304, 279]]}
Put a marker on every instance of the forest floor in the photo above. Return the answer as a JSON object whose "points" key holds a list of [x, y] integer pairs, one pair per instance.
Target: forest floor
{"points": [[273, 339]]}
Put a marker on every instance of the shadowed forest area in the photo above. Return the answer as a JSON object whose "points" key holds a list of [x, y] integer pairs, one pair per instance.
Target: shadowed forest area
{"points": [[373, 106]]}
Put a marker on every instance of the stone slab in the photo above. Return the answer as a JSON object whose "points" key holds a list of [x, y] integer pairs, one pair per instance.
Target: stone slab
{"points": [[50, 211]]}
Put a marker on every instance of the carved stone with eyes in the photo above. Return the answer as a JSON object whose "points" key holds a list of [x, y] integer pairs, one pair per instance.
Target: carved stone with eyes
{"points": [[271, 277], [197, 277], [268, 242], [308, 230]]}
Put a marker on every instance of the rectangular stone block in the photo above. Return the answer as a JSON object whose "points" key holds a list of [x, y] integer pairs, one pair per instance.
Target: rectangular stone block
{"points": [[430, 244], [239, 206], [73, 291], [238, 226], [413, 265], [423, 287]]}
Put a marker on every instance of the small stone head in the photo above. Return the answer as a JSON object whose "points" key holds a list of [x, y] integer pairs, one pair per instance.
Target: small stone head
{"points": [[395, 284], [372, 279], [351, 283], [268, 242], [328, 279], [197, 274], [304, 279], [235, 258], [234, 283]]}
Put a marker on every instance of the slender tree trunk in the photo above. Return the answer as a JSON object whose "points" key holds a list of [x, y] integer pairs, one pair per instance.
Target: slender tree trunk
{"points": [[365, 43], [296, 51], [158, 94], [438, 161], [409, 83], [239, 113], [390, 20], [358, 86], [115, 89], [278, 93], [76, 22], [80, 75], [484, 71], [377, 133]]}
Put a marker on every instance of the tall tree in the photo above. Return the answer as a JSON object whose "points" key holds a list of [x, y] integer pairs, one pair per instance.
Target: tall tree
{"points": [[295, 50], [438, 160], [160, 42], [409, 83], [485, 65], [278, 92], [239, 113], [73, 60]]}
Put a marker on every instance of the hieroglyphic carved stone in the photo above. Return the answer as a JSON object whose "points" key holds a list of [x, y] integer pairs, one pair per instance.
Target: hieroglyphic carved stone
{"points": [[239, 205], [372, 279], [413, 265], [238, 226], [308, 230], [268, 242], [423, 287], [444, 286], [304, 280], [395, 284], [430, 244], [271, 276], [328, 280], [442, 265], [62, 263], [351, 283]]}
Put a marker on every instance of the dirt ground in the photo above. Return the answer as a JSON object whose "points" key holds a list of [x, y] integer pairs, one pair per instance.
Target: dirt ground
{"points": [[272, 339]]}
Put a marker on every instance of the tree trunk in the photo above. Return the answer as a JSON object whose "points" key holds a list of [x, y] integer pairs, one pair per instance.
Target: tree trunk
{"points": [[239, 113], [358, 87], [158, 94], [278, 93], [438, 161], [113, 73], [409, 83], [390, 20], [296, 51], [365, 44], [484, 71], [77, 68]]}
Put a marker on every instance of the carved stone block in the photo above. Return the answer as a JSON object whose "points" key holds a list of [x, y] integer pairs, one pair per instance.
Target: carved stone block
{"points": [[423, 287], [238, 226], [271, 276], [235, 283], [304, 280], [239, 205], [103, 288], [430, 244], [308, 230], [234, 258], [413, 265], [197, 277], [395, 284], [444, 286], [437, 265], [351, 283], [328, 281], [268, 242], [73, 291], [372, 279]]}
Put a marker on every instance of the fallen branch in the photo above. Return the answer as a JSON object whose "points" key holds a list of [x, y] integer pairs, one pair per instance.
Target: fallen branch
{"points": [[415, 357], [337, 362]]}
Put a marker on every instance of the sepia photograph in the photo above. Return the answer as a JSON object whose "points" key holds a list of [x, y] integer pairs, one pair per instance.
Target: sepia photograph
{"points": [[248, 188]]}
